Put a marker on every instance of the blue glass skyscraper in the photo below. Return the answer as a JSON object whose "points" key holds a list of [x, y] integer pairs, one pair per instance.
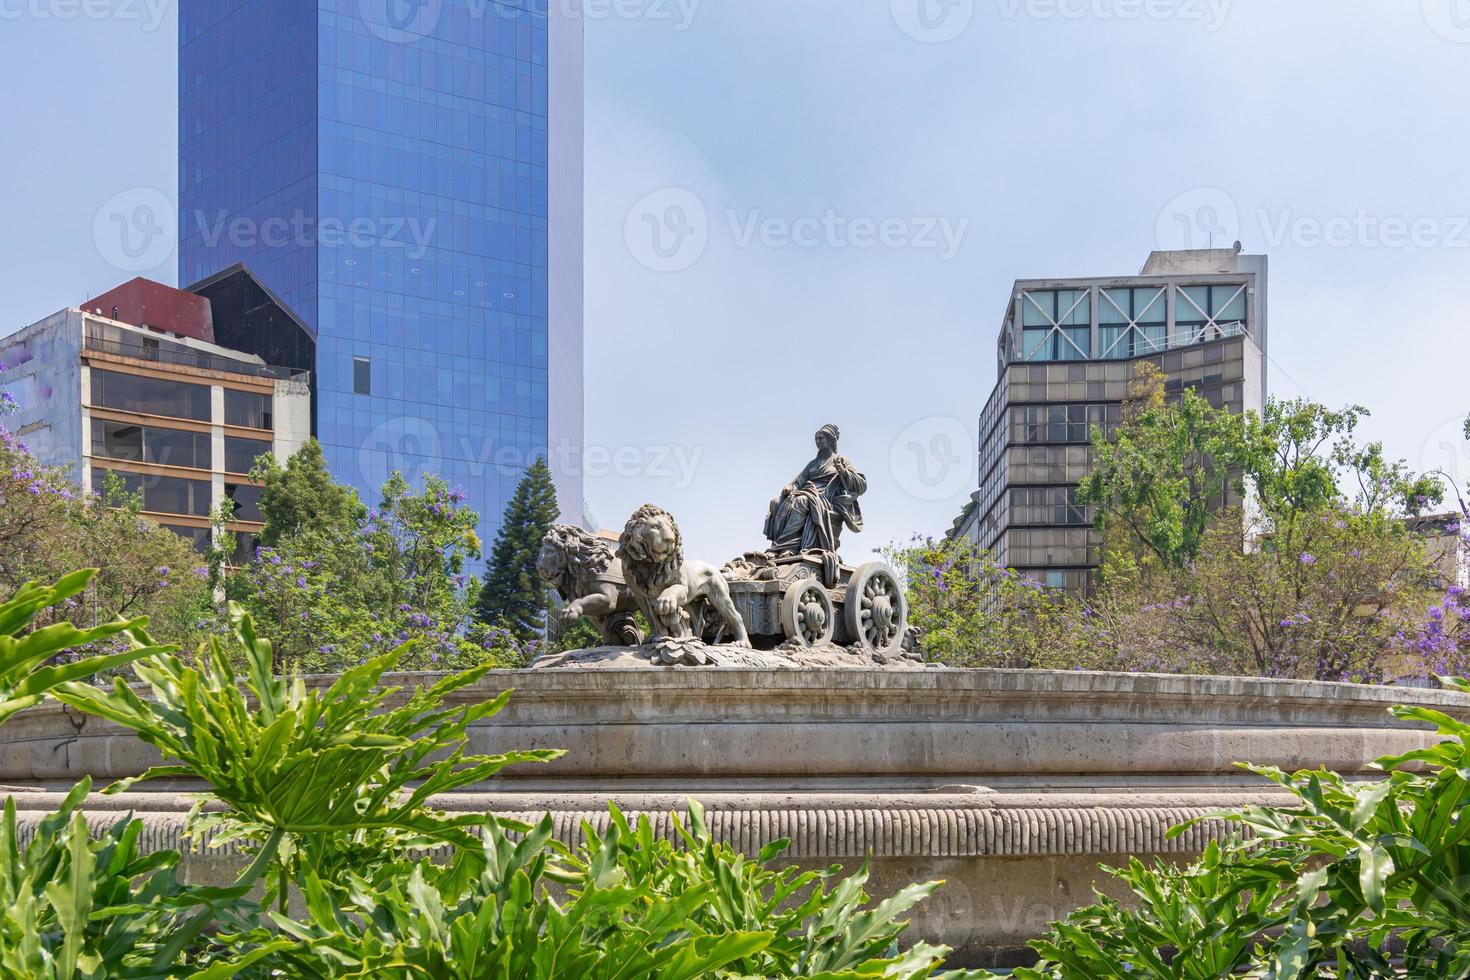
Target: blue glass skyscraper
{"points": [[407, 176]]}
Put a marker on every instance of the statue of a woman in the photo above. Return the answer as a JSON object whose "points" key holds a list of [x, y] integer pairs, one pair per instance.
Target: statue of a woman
{"points": [[813, 509]]}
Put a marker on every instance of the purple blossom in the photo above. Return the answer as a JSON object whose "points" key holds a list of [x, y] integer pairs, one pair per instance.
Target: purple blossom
{"points": [[301, 581], [1307, 558]]}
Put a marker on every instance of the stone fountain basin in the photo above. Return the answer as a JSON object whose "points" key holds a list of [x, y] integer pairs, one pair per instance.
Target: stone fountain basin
{"points": [[1012, 785]]}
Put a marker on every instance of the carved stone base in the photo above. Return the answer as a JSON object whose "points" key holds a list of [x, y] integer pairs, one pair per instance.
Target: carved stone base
{"points": [[694, 654]]}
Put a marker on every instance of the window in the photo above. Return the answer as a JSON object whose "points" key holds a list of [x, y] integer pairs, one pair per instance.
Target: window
{"points": [[149, 396], [244, 553], [1056, 325], [1041, 424], [150, 444], [1210, 312], [249, 409], [362, 376], [241, 454], [1055, 506], [162, 494], [1132, 322], [247, 501]]}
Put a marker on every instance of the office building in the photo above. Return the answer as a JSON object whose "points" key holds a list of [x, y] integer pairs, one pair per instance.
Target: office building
{"points": [[1066, 353], [133, 383], [408, 179]]}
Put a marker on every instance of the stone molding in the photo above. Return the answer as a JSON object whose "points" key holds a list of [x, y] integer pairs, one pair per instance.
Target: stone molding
{"points": [[935, 832]]}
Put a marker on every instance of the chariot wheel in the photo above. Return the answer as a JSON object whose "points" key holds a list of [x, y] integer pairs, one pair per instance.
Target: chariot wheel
{"points": [[806, 612], [875, 613]]}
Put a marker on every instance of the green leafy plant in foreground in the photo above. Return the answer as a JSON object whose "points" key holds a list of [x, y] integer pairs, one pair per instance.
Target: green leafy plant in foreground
{"points": [[1319, 889], [633, 905], [310, 779], [327, 789], [72, 905], [79, 906], [26, 654]]}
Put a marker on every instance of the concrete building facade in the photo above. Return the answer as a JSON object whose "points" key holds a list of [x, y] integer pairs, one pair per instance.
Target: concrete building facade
{"points": [[175, 418], [1066, 353]]}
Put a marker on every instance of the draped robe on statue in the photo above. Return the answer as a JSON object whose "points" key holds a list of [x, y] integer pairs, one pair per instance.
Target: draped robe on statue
{"points": [[811, 512]]}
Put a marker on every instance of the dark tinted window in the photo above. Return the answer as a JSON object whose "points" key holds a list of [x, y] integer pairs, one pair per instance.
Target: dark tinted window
{"points": [[150, 396], [248, 408], [362, 376], [240, 454], [162, 494], [247, 500], [150, 444], [244, 552]]}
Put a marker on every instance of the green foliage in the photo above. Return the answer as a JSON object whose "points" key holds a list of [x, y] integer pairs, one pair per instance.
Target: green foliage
{"points": [[1158, 478], [634, 906], [301, 500], [327, 787], [79, 907], [316, 766], [1305, 458], [30, 658], [72, 906], [970, 612], [514, 596], [48, 528], [340, 584], [1318, 889]]}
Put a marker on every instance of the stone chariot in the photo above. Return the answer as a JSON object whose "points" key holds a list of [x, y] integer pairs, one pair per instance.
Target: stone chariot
{"points": [[865, 607]]}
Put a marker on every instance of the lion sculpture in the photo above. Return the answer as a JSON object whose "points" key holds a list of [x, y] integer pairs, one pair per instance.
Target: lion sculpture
{"points": [[582, 569], [672, 593]]}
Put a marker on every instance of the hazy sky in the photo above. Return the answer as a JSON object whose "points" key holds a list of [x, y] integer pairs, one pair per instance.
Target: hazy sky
{"points": [[812, 211]]}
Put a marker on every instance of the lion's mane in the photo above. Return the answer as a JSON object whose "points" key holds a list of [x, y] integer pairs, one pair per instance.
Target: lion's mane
{"points": [[645, 573], [584, 557]]}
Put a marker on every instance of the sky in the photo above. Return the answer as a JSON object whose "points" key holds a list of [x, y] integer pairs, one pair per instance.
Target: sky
{"points": [[811, 212]]}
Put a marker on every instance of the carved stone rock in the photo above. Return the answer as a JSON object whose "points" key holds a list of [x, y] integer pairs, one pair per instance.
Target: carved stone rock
{"points": [[694, 654]]}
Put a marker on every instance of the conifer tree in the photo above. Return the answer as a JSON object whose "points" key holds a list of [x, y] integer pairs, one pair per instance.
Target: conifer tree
{"points": [[513, 595]]}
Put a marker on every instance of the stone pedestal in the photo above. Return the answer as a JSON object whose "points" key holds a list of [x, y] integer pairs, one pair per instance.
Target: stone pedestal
{"points": [[1011, 785]]}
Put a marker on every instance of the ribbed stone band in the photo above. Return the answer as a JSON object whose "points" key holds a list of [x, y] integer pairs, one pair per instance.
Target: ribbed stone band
{"points": [[941, 832]]}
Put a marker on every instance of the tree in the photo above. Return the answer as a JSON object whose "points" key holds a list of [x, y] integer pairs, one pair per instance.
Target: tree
{"points": [[1311, 578], [513, 594], [303, 499], [970, 612], [1156, 480], [49, 527], [338, 583]]}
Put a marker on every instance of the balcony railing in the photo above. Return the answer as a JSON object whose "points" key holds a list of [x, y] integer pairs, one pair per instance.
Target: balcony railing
{"points": [[103, 339]]}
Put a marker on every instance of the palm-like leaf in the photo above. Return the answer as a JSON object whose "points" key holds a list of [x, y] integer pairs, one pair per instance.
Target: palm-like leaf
{"points": [[25, 672], [353, 757]]}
